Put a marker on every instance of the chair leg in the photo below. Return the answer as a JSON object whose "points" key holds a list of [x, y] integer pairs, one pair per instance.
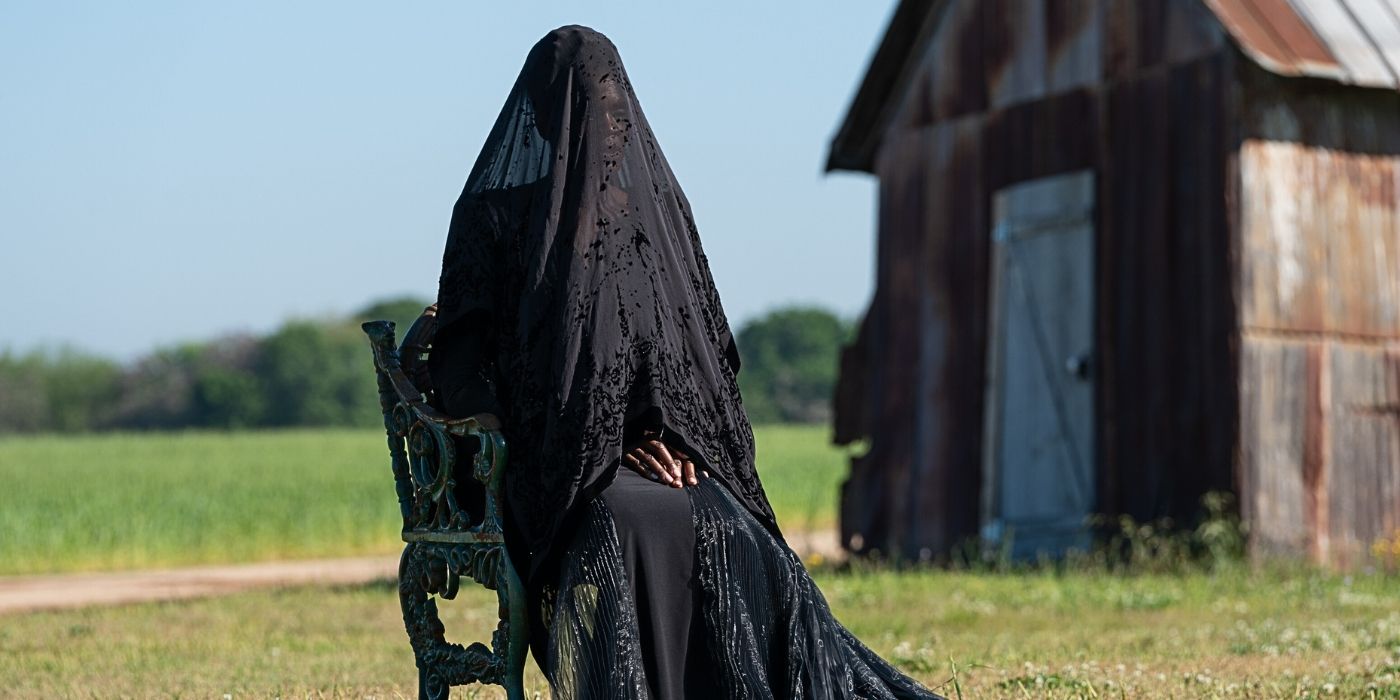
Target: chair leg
{"points": [[518, 635], [421, 622], [431, 686]]}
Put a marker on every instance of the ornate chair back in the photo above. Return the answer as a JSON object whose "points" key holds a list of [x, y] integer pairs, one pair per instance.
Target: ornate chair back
{"points": [[444, 539]]}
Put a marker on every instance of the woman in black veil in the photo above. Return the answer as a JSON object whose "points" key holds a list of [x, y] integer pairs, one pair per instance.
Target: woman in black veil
{"points": [[577, 305]]}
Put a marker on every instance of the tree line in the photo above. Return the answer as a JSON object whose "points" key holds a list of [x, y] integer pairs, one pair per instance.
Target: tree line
{"points": [[319, 373]]}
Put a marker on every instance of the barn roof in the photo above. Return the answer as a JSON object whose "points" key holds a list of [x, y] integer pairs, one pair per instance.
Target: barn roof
{"points": [[853, 147], [1349, 41]]}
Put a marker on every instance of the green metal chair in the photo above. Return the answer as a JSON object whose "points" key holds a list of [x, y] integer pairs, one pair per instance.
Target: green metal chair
{"points": [[445, 541]]}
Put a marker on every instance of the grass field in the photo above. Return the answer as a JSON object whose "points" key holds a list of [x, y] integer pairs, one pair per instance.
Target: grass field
{"points": [[129, 501], [1032, 635], [104, 502]]}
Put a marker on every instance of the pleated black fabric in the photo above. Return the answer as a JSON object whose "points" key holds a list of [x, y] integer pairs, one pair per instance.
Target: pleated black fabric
{"points": [[749, 618], [656, 532], [635, 545]]}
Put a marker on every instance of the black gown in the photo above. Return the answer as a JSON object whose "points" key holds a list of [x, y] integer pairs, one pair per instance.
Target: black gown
{"points": [[576, 303]]}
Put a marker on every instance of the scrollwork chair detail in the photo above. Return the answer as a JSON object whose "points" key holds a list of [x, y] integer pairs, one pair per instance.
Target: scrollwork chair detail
{"points": [[444, 540]]}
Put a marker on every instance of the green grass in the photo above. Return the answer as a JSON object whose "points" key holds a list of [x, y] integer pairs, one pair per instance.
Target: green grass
{"points": [[104, 502], [802, 473], [1031, 635], [128, 501]]}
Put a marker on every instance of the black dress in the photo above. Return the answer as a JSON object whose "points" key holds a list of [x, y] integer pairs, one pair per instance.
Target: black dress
{"points": [[577, 304]]}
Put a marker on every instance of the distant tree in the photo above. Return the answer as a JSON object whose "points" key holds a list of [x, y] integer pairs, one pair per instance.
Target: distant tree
{"points": [[24, 402], [306, 373], [293, 379], [317, 374], [60, 390], [227, 392], [403, 311], [357, 388], [81, 389], [157, 391], [789, 359]]}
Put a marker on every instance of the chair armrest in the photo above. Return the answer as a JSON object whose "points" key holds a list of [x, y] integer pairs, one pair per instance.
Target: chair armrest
{"points": [[429, 465]]}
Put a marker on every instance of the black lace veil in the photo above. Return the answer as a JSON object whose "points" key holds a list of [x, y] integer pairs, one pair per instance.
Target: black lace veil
{"points": [[574, 251]]}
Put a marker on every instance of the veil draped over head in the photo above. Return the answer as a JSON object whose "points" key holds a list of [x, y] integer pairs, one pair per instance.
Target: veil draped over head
{"points": [[574, 249]]}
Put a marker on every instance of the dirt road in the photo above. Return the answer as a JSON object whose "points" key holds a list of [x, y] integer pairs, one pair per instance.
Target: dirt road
{"points": [[52, 592], [26, 593]]}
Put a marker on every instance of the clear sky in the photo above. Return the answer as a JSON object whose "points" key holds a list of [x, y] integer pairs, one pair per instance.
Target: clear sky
{"points": [[174, 171]]}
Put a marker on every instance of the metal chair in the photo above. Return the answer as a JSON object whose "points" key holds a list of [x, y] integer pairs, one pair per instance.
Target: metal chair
{"points": [[444, 540]]}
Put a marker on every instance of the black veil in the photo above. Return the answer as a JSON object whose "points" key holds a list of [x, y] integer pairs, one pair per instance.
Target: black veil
{"points": [[574, 256]]}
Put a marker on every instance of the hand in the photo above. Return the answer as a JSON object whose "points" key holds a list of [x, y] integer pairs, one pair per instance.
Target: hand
{"points": [[653, 459]]}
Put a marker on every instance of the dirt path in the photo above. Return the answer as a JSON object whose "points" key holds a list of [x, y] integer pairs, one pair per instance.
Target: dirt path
{"points": [[27, 593], [52, 592]]}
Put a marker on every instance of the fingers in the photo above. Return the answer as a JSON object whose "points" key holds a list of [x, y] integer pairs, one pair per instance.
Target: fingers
{"points": [[636, 462], [660, 470], [658, 462], [636, 465], [688, 468], [658, 450]]}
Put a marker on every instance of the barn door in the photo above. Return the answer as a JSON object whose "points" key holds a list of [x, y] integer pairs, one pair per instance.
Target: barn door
{"points": [[1038, 472]]}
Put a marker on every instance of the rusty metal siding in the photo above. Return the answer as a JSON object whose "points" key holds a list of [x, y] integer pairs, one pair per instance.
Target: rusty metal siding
{"points": [[1320, 258], [1248, 272], [945, 58], [1136, 240], [1364, 487], [1319, 272], [1204, 319], [1074, 44], [1037, 139], [1283, 253], [993, 54], [852, 399], [955, 293], [907, 496], [1320, 231], [1363, 259], [1141, 34], [1014, 46], [1320, 447], [875, 495], [928, 323], [1273, 436], [1168, 403], [1162, 261], [948, 81], [1319, 281]]}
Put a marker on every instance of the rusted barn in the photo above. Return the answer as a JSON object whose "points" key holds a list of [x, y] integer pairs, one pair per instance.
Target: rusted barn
{"points": [[1129, 252]]}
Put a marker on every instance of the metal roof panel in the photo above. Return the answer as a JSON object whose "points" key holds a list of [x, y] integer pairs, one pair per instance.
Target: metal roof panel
{"points": [[1340, 28], [1382, 27], [1350, 41]]}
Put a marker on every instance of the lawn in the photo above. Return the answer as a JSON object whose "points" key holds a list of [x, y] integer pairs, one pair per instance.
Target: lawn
{"points": [[1031, 635], [105, 502], [135, 501]]}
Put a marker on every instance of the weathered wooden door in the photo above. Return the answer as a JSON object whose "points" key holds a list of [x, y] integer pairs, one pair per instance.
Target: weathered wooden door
{"points": [[1038, 474]]}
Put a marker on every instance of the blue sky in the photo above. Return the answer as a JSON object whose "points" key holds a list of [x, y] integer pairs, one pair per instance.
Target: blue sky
{"points": [[174, 171]]}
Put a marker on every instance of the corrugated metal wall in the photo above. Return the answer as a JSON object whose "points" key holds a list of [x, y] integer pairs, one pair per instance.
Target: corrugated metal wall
{"points": [[1319, 290], [1247, 257], [1012, 90]]}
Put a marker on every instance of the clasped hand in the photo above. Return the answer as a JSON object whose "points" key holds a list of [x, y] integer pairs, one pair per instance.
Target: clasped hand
{"points": [[653, 459]]}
